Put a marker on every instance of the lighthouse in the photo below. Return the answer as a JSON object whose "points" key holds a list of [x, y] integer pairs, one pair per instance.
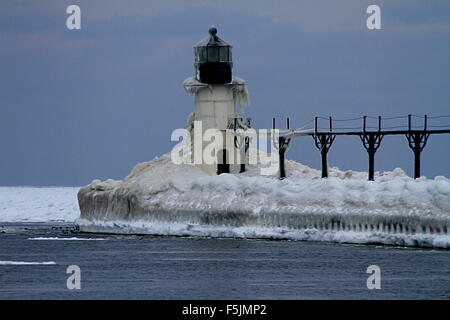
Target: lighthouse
{"points": [[217, 93]]}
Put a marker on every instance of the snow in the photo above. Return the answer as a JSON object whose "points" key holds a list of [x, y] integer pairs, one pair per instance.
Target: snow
{"points": [[159, 197], [237, 85], [160, 183], [38, 204]]}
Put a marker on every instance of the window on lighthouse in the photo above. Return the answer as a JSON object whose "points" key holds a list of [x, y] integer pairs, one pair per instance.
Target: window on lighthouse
{"points": [[223, 54], [202, 54], [213, 54]]}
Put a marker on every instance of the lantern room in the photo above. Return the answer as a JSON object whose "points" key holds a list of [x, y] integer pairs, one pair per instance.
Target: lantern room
{"points": [[212, 60]]}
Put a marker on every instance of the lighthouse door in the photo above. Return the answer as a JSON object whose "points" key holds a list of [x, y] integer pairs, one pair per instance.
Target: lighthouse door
{"points": [[222, 164]]}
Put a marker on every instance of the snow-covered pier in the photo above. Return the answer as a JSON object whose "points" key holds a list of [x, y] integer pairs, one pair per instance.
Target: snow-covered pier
{"points": [[162, 198]]}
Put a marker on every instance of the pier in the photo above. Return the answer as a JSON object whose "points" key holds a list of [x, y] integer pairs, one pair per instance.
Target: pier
{"points": [[371, 137]]}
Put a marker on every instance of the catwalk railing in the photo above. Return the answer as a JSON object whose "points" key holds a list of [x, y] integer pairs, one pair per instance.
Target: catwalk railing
{"points": [[371, 136]]}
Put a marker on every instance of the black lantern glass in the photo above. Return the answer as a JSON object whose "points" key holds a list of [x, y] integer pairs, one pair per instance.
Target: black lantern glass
{"points": [[212, 59]]}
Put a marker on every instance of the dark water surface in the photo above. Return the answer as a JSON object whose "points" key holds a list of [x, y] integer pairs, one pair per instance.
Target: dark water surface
{"points": [[146, 267]]}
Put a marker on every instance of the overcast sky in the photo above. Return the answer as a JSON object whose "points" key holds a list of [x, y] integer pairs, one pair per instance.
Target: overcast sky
{"points": [[77, 105]]}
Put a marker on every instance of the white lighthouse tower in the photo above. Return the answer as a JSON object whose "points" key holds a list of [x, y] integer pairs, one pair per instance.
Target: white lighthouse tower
{"points": [[216, 94]]}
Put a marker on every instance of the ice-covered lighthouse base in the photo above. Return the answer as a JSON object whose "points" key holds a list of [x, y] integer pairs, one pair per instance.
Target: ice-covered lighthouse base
{"points": [[162, 198]]}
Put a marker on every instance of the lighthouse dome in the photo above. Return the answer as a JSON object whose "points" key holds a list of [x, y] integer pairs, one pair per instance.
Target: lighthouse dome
{"points": [[212, 59]]}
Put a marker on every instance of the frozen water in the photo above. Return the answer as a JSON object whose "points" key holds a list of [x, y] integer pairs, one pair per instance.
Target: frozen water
{"points": [[38, 204]]}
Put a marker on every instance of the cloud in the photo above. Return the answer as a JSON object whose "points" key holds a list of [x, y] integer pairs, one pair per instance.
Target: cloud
{"points": [[305, 16]]}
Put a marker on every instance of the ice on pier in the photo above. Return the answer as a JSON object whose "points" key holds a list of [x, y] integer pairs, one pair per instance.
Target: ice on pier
{"points": [[159, 197]]}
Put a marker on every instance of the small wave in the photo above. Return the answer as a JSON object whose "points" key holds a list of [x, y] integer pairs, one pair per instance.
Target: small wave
{"points": [[26, 263], [260, 232], [66, 239]]}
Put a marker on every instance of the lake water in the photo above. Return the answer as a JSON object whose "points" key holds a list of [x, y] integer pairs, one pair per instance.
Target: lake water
{"points": [[149, 267]]}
